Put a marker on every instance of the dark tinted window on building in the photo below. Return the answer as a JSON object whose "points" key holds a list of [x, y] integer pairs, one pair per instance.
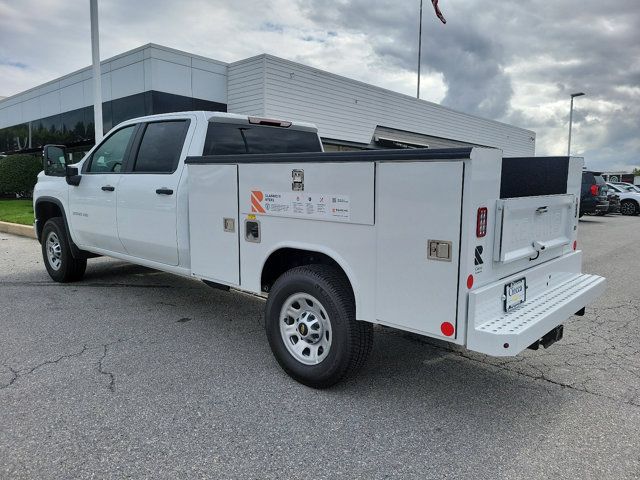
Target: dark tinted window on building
{"points": [[232, 139], [126, 108], [160, 148]]}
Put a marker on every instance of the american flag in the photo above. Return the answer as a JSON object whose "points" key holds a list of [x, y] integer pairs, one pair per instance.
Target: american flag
{"points": [[438, 12]]}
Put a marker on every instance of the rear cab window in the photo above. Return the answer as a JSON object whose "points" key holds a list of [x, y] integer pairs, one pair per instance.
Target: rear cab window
{"points": [[240, 138]]}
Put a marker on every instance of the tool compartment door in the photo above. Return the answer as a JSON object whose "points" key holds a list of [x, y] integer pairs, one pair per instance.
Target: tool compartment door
{"points": [[213, 223], [417, 203]]}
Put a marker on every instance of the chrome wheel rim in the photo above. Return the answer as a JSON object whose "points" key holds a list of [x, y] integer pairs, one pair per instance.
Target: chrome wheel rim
{"points": [[54, 251], [305, 328]]}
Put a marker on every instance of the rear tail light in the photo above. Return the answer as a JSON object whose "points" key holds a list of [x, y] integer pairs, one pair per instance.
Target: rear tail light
{"points": [[594, 190], [481, 224]]}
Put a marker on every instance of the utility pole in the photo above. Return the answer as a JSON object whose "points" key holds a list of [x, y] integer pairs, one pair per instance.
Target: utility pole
{"points": [[419, 49], [573, 95], [97, 75]]}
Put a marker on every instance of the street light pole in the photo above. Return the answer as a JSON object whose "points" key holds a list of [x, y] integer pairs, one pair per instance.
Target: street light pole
{"points": [[97, 75], [419, 49], [573, 95]]}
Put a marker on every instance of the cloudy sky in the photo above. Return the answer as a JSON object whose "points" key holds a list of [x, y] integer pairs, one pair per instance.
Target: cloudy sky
{"points": [[513, 61]]}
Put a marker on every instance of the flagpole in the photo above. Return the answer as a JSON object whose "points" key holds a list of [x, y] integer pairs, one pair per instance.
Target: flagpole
{"points": [[419, 49]]}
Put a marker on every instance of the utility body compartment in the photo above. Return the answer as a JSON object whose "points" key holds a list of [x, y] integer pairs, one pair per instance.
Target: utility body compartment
{"points": [[404, 227]]}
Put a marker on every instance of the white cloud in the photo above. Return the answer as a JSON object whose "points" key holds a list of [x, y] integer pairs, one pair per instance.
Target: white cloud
{"points": [[512, 61]]}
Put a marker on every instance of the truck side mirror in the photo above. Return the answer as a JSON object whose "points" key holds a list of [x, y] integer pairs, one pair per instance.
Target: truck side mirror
{"points": [[54, 160], [72, 175]]}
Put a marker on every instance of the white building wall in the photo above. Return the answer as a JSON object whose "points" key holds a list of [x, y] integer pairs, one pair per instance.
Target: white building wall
{"points": [[246, 86], [349, 110], [343, 109], [150, 67]]}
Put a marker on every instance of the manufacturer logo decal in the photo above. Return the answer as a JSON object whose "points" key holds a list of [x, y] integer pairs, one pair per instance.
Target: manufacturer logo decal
{"points": [[478, 259], [256, 201]]}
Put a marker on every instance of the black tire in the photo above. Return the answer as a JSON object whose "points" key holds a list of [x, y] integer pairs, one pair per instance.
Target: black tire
{"points": [[351, 340], [629, 207], [62, 267]]}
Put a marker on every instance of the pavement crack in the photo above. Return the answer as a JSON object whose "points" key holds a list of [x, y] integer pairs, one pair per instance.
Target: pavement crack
{"points": [[504, 366], [112, 377], [16, 374], [57, 360]]}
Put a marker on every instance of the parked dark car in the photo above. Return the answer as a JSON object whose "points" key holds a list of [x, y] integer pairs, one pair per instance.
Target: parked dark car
{"points": [[614, 202], [593, 196]]}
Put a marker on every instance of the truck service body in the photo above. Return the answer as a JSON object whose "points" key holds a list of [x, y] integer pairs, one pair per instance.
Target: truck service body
{"points": [[457, 244]]}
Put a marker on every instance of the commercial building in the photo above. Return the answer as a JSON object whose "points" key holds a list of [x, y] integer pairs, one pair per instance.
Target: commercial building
{"points": [[156, 79], [621, 177]]}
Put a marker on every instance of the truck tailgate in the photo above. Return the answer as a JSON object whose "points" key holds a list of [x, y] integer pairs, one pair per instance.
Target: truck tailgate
{"points": [[529, 225]]}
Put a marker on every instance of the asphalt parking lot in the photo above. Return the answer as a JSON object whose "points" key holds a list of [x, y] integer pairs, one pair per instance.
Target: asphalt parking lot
{"points": [[133, 373]]}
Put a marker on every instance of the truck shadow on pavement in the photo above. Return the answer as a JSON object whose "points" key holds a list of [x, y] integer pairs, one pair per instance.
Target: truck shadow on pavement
{"points": [[399, 361]]}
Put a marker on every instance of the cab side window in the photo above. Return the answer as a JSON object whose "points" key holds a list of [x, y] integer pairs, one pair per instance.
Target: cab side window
{"points": [[161, 146], [109, 156]]}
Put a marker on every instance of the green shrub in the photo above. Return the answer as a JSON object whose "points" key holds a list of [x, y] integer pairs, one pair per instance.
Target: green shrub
{"points": [[18, 174]]}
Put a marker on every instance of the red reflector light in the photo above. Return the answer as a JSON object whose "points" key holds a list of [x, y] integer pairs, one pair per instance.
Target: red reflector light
{"points": [[575, 244], [481, 223], [594, 190], [470, 282], [447, 329]]}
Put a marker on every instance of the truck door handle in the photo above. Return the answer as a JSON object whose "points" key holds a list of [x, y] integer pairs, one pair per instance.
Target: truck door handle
{"points": [[164, 191], [108, 188]]}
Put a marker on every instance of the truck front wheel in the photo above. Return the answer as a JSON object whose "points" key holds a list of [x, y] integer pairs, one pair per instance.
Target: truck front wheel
{"points": [[56, 253], [311, 326]]}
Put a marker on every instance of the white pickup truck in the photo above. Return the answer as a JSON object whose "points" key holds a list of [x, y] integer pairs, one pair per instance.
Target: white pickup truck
{"points": [[459, 244]]}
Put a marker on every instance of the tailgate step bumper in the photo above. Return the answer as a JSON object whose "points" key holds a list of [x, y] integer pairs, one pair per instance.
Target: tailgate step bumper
{"points": [[511, 332]]}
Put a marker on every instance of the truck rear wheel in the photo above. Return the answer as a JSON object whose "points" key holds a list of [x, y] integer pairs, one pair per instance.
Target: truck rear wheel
{"points": [[56, 253], [311, 326]]}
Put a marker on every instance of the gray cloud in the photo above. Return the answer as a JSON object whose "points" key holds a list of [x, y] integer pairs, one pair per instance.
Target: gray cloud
{"points": [[470, 59], [490, 54]]}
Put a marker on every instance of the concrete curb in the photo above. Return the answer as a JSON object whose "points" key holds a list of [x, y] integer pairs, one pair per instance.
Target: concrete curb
{"points": [[17, 229]]}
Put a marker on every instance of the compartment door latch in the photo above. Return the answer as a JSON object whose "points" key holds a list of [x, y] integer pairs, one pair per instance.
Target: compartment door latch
{"points": [[297, 180], [439, 250]]}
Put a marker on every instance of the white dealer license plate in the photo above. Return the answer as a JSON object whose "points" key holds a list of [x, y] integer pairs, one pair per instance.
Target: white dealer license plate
{"points": [[515, 293]]}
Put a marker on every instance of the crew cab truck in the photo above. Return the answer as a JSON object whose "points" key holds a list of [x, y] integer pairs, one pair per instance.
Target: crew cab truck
{"points": [[336, 242]]}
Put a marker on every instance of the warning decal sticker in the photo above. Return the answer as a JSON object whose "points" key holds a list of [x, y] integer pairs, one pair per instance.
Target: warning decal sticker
{"points": [[256, 201], [301, 204]]}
